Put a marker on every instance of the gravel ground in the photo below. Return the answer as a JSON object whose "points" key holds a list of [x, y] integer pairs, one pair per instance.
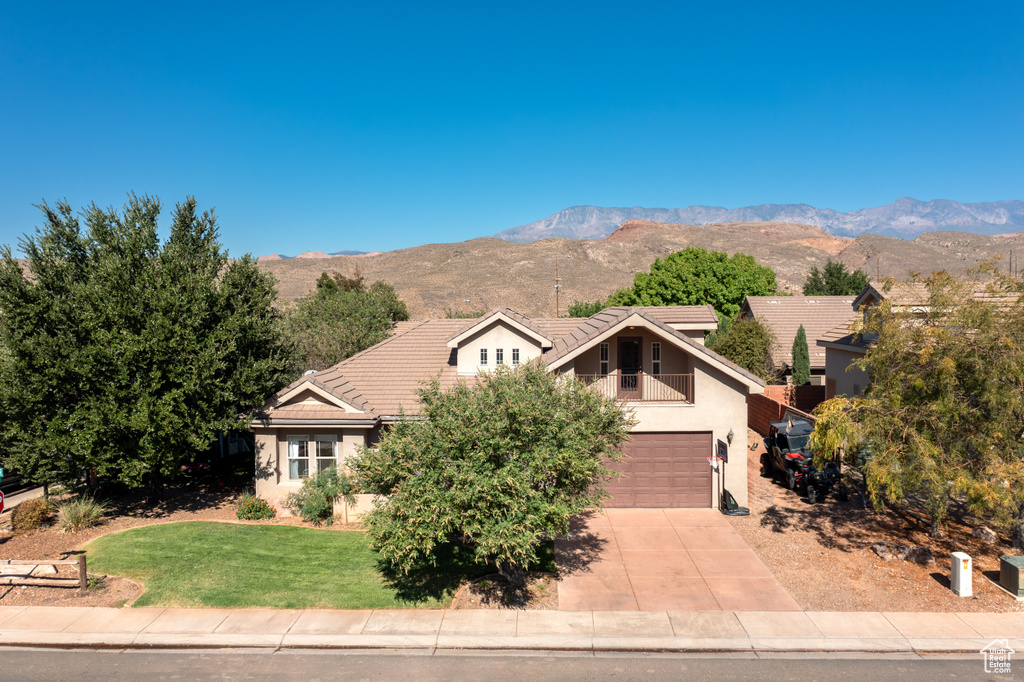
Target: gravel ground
{"points": [[822, 553]]}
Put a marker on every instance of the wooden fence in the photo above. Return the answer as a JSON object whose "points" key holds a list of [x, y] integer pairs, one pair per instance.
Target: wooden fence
{"points": [[81, 582], [761, 410]]}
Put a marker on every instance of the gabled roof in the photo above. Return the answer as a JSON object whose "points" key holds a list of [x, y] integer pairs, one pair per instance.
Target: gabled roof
{"points": [[610, 320], [514, 319], [382, 381], [784, 315]]}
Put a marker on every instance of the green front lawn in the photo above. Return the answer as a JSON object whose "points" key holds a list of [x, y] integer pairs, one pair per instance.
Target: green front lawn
{"points": [[198, 563]]}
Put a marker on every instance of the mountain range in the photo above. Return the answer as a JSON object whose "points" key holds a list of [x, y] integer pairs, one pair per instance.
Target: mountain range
{"points": [[904, 218]]}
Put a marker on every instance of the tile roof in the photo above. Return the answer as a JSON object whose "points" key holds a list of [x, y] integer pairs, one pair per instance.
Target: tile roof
{"points": [[842, 336], [316, 412], [703, 315], [384, 379], [784, 315], [485, 320]]}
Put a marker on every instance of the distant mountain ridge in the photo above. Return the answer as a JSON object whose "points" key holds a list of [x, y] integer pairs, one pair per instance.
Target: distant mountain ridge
{"points": [[904, 218]]}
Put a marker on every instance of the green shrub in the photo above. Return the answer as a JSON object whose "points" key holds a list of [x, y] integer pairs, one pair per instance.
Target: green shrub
{"points": [[31, 515], [80, 513], [315, 500], [252, 508]]}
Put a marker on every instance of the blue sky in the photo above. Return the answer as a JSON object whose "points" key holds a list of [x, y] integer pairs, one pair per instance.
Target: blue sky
{"points": [[375, 126]]}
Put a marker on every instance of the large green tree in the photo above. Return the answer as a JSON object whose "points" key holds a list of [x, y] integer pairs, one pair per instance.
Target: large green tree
{"points": [[503, 463], [801, 358], [128, 355], [834, 280], [942, 417], [695, 276], [342, 317], [748, 343]]}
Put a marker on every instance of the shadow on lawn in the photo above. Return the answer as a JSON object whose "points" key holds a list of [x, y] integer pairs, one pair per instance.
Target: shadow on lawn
{"points": [[454, 565]]}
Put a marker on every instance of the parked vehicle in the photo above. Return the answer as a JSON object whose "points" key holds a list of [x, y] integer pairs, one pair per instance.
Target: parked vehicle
{"points": [[827, 479], [787, 452]]}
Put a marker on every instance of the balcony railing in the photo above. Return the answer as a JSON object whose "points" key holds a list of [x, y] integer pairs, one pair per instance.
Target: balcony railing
{"points": [[644, 388]]}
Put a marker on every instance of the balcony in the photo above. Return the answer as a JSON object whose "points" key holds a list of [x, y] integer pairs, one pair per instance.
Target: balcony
{"points": [[642, 388]]}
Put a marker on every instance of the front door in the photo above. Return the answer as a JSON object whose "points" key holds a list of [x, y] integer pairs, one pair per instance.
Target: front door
{"points": [[629, 367]]}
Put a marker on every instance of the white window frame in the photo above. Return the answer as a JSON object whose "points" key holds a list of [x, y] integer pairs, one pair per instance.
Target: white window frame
{"points": [[499, 356], [483, 357], [655, 357], [515, 357], [604, 359], [314, 461]]}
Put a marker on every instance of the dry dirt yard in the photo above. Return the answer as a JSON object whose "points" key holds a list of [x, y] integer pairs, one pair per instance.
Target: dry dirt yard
{"points": [[822, 553]]}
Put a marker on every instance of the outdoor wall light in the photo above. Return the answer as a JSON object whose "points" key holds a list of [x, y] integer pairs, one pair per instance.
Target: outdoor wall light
{"points": [[729, 436]]}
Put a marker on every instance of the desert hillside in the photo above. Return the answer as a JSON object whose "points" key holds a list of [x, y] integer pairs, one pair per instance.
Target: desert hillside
{"points": [[481, 274]]}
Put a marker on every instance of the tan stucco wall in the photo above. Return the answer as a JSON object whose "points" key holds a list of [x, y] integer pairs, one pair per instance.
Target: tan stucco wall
{"points": [[850, 381], [272, 482], [673, 359], [498, 335], [720, 405]]}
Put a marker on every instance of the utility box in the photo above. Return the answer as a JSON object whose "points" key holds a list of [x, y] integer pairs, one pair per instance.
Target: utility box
{"points": [[960, 574], [1011, 574]]}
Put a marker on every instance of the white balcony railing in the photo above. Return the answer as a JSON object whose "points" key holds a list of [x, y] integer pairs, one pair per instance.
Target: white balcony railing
{"points": [[641, 387]]}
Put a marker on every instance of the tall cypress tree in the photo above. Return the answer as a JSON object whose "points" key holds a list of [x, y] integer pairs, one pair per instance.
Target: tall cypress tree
{"points": [[801, 359]]}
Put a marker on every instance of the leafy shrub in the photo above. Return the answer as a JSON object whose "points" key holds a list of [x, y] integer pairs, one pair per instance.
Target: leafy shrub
{"points": [[315, 500], [252, 508], [80, 513], [31, 515]]}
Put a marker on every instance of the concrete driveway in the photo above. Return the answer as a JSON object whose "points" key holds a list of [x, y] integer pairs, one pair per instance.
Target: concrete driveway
{"points": [[663, 560]]}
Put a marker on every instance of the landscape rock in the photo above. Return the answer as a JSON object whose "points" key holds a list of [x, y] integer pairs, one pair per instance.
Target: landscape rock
{"points": [[985, 534], [882, 550], [919, 555]]}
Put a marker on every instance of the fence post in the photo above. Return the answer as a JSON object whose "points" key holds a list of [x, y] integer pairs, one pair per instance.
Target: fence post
{"points": [[83, 576]]}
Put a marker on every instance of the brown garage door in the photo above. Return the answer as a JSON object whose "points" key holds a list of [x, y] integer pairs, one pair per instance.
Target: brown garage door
{"points": [[664, 470]]}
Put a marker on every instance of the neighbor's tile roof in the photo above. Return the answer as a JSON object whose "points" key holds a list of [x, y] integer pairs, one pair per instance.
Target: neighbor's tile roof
{"points": [[784, 315], [842, 335]]}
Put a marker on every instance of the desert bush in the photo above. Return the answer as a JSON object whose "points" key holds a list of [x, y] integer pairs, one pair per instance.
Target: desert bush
{"points": [[315, 500], [252, 508], [80, 513], [31, 515]]}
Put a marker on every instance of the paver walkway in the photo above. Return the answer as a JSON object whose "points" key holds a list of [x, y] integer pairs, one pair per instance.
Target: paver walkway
{"points": [[663, 559]]}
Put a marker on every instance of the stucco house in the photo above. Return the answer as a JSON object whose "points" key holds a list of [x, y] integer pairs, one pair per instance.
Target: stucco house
{"points": [[784, 315], [844, 344], [688, 401]]}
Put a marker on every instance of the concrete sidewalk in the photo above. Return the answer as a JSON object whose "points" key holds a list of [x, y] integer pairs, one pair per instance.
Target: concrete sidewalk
{"points": [[725, 631]]}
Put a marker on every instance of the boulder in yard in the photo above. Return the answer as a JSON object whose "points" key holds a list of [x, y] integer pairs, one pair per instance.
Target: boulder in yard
{"points": [[919, 555], [985, 534], [883, 551]]}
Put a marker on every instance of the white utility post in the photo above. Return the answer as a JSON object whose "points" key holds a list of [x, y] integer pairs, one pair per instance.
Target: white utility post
{"points": [[960, 574]]}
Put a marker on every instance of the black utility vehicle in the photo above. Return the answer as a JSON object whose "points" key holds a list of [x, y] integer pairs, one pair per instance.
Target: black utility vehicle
{"points": [[821, 482], [787, 452]]}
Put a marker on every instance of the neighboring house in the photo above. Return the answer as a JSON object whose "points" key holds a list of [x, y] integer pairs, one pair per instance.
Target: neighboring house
{"points": [[784, 315], [688, 401], [843, 345]]}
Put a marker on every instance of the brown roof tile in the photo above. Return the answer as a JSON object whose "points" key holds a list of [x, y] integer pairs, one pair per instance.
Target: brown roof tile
{"points": [[784, 315]]}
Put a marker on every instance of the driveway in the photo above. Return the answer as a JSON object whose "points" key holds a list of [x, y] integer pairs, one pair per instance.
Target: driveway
{"points": [[663, 560]]}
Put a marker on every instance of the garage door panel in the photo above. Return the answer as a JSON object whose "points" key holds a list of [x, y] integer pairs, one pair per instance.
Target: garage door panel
{"points": [[664, 470]]}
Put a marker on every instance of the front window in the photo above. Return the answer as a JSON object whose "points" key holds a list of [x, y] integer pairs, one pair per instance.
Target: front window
{"points": [[604, 359], [515, 356], [656, 357], [311, 454], [483, 356], [499, 356]]}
